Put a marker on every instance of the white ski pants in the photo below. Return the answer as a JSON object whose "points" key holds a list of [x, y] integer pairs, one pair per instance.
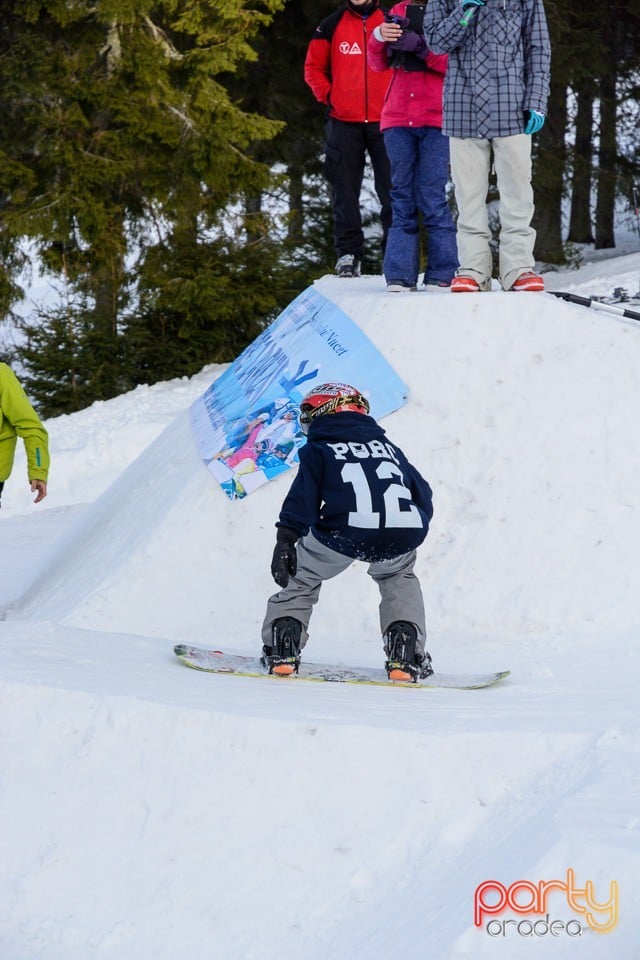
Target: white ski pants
{"points": [[400, 591], [470, 167]]}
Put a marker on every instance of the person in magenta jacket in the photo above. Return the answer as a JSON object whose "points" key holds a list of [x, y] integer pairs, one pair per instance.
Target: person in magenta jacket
{"points": [[411, 122]]}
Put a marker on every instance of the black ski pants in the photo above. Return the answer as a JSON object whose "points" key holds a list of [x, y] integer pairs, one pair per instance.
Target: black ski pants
{"points": [[346, 148]]}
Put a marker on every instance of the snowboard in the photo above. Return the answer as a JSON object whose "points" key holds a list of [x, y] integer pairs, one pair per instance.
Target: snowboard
{"points": [[215, 661]]}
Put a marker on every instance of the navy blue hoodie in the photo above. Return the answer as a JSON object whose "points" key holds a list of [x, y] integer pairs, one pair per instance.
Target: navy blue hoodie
{"points": [[356, 491]]}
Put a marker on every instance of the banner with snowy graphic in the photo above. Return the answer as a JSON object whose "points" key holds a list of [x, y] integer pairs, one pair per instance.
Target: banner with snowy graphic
{"points": [[246, 424]]}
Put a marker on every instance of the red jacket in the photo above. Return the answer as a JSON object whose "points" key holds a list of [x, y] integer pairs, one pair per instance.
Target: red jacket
{"points": [[337, 70], [414, 98]]}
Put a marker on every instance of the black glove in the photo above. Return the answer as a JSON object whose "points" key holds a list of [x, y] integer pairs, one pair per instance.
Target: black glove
{"points": [[285, 559]]}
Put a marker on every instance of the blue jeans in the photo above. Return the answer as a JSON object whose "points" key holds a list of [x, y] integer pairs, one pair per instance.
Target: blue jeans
{"points": [[419, 160]]}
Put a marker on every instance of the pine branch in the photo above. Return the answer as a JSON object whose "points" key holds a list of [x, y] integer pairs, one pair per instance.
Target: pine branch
{"points": [[162, 39]]}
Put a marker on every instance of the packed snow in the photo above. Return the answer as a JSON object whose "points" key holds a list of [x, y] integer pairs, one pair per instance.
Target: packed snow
{"points": [[150, 811]]}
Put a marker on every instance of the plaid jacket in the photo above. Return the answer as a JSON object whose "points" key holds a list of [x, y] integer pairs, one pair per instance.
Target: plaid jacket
{"points": [[498, 65]]}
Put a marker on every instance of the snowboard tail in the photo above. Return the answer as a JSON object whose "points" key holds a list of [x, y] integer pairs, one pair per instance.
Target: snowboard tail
{"points": [[215, 661]]}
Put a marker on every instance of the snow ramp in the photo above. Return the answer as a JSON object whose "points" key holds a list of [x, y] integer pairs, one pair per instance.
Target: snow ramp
{"points": [[520, 415]]}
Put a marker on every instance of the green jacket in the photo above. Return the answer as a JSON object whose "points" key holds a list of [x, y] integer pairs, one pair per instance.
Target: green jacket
{"points": [[19, 419]]}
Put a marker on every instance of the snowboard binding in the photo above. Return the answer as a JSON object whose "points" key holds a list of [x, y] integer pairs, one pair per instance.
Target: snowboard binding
{"points": [[405, 663], [283, 656]]}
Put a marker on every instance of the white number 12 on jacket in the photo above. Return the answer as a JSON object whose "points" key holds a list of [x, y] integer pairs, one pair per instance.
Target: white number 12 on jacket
{"points": [[364, 516]]}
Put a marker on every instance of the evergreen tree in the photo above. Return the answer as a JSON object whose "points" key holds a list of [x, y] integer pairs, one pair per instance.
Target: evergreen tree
{"points": [[204, 299], [549, 146], [617, 75], [113, 118], [595, 62]]}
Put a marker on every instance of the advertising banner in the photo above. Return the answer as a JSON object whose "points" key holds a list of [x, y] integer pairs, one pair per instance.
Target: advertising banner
{"points": [[246, 424]]}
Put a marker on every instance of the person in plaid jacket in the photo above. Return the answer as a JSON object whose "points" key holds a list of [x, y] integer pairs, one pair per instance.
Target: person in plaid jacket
{"points": [[495, 97]]}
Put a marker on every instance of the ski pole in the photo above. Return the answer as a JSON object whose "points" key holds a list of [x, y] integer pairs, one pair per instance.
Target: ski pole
{"points": [[596, 305]]}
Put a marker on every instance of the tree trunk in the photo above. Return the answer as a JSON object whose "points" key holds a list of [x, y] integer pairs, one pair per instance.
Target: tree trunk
{"points": [[296, 203], [105, 285], [580, 229], [253, 222], [549, 165], [607, 152]]}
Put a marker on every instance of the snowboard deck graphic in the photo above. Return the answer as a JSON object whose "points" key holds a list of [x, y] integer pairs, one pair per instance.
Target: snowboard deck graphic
{"points": [[215, 661]]}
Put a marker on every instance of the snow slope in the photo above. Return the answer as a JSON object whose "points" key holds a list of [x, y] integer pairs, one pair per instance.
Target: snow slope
{"points": [[150, 811]]}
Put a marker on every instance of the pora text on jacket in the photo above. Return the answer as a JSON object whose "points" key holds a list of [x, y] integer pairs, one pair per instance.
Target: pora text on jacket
{"points": [[376, 449]]}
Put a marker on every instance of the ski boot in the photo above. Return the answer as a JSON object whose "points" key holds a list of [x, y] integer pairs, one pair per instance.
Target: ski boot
{"points": [[404, 662], [283, 656]]}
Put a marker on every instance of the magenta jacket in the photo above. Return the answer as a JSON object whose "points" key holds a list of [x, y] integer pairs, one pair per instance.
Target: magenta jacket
{"points": [[413, 98]]}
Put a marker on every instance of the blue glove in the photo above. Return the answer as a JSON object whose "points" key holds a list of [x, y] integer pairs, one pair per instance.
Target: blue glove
{"points": [[533, 121], [411, 42], [469, 8]]}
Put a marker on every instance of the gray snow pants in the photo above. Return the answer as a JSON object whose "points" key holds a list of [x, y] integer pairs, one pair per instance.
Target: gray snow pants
{"points": [[400, 592]]}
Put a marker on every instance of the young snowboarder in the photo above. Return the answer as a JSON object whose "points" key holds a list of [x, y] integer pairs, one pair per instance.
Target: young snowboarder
{"points": [[355, 497]]}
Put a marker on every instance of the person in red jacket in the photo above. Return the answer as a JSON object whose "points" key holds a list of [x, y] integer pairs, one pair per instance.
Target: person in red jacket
{"points": [[337, 70], [418, 151]]}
